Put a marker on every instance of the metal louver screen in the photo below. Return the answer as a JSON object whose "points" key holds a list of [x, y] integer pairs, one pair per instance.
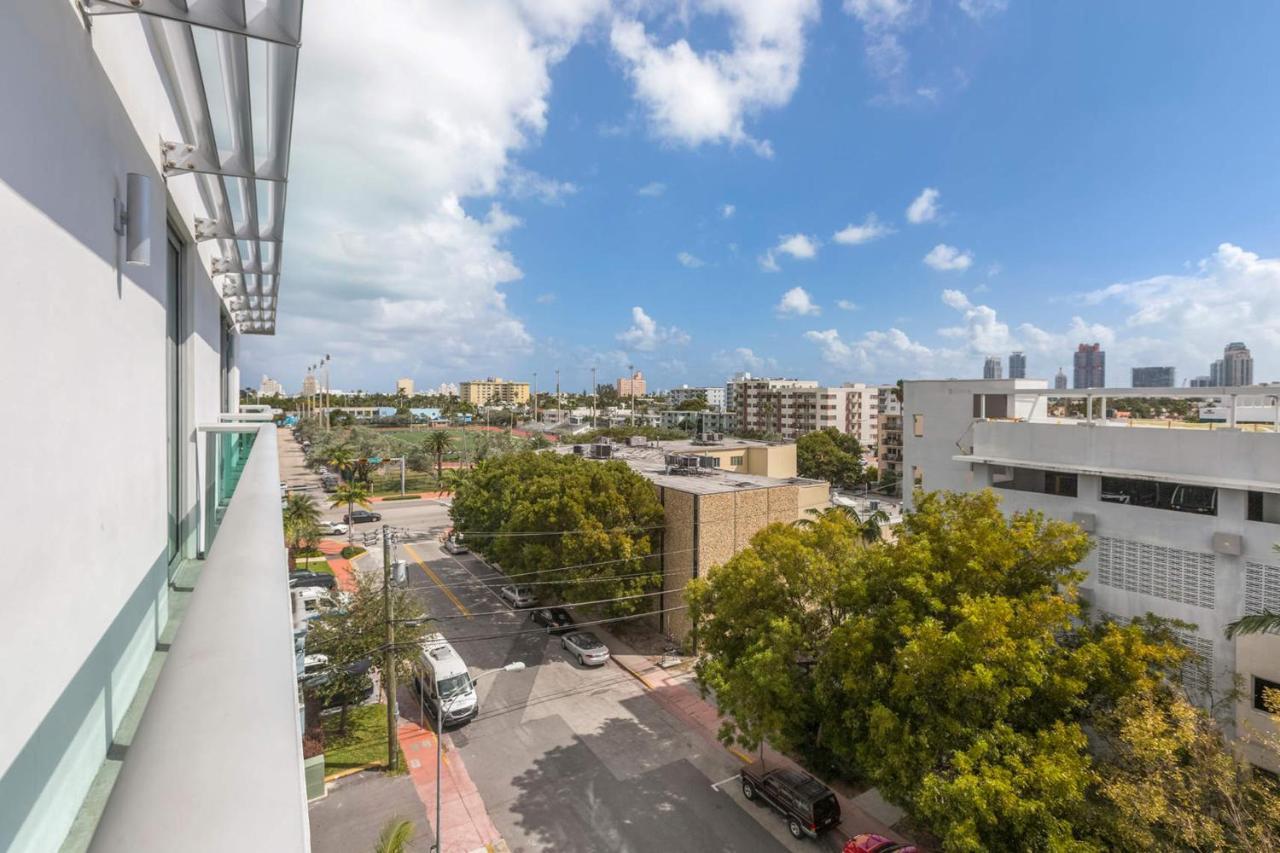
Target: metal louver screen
{"points": [[1261, 588], [1173, 574]]}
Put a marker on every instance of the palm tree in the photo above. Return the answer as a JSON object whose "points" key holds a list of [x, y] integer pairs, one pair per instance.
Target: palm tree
{"points": [[1265, 622], [870, 527], [395, 837], [341, 459], [301, 524], [438, 442], [351, 494]]}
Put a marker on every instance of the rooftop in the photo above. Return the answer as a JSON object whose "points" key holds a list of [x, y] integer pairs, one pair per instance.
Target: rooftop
{"points": [[650, 462]]}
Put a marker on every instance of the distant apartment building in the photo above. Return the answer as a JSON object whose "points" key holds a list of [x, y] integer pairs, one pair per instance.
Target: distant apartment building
{"points": [[493, 391], [1202, 382], [991, 367], [269, 387], [309, 385], [404, 387], [1217, 373], [1017, 365], [787, 407], [1059, 380], [1090, 367], [712, 394], [714, 498], [1237, 365], [633, 386], [151, 657], [862, 414], [889, 439], [1182, 520], [698, 422], [1154, 377]]}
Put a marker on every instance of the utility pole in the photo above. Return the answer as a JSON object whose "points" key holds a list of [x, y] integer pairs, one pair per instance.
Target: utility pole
{"points": [[328, 396], [388, 660], [535, 396], [559, 414], [593, 397]]}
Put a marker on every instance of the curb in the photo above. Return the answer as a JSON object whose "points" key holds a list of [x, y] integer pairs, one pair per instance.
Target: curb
{"points": [[351, 771]]}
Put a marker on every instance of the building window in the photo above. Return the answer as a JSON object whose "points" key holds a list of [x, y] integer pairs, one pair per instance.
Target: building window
{"points": [[917, 423], [736, 460], [917, 476], [1263, 506], [1264, 697], [1179, 497], [1034, 480]]}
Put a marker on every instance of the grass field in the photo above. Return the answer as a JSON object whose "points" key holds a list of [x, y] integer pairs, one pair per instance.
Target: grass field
{"points": [[364, 743]]}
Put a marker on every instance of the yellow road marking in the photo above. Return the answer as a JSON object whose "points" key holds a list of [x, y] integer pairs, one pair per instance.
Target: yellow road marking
{"points": [[462, 608], [745, 759]]}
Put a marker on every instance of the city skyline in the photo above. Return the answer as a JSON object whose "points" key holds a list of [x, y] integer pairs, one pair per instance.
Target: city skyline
{"points": [[583, 220]]}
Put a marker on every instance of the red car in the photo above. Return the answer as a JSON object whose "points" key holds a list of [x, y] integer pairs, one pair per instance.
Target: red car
{"points": [[871, 843]]}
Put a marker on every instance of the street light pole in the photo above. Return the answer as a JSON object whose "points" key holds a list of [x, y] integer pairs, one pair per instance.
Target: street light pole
{"points": [[514, 666], [389, 665]]}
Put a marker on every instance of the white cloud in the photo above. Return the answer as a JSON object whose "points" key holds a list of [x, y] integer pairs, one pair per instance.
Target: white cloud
{"points": [[546, 298], [979, 9], [870, 229], [690, 261], [846, 305], [879, 13], [925, 207], [946, 258], [646, 335], [743, 359], [796, 302], [799, 246], [694, 98], [387, 260], [883, 353], [523, 183], [882, 23], [727, 211], [652, 189]]}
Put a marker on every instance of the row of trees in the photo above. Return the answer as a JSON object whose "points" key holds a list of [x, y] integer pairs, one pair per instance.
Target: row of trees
{"points": [[956, 669], [831, 455], [537, 513]]}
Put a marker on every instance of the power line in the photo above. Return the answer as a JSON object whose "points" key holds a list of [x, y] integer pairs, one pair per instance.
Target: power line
{"points": [[567, 604]]}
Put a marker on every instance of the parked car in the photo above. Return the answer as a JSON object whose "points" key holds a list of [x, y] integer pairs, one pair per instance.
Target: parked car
{"points": [[556, 619], [304, 578], [445, 682], [453, 544], [808, 805], [586, 647], [871, 843], [361, 516], [334, 528], [518, 596]]}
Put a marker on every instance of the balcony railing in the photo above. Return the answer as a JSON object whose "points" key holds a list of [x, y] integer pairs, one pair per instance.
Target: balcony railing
{"points": [[216, 763]]}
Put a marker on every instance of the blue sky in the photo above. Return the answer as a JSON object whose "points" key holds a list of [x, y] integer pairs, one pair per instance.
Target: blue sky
{"points": [[503, 188]]}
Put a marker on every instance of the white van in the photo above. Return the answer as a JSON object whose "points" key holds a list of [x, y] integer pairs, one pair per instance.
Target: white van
{"points": [[443, 675], [317, 601]]}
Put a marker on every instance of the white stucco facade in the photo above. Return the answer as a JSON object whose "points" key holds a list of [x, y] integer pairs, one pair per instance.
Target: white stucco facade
{"points": [[88, 553], [1151, 553]]}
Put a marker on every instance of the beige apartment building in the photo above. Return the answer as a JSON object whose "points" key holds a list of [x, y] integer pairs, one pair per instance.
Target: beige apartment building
{"points": [[491, 391], [633, 387], [404, 387], [889, 438], [714, 507]]}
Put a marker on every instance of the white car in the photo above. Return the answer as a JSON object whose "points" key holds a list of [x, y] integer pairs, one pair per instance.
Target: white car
{"points": [[586, 647], [334, 528], [453, 546], [518, 596]]}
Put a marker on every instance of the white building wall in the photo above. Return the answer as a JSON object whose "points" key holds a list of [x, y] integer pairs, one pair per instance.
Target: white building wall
{"points": [[1158, 560], [85, 571]]}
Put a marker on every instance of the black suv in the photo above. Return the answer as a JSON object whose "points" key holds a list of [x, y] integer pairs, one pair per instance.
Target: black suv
{"points": [[808, 805], [556, 619], [361, 516]]}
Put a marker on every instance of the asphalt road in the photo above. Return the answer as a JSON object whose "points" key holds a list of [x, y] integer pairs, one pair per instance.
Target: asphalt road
{"points": [[566, 757]]}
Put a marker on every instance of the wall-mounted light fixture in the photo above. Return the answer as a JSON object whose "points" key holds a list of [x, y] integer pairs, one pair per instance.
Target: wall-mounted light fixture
{"points": [[133, 219]]}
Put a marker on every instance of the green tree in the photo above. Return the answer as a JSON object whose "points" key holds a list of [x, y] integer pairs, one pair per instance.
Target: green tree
{"points": [[301, 519], [340, 458], [538, 513], [693, 404], [395, 836], [870, 526], [439, 442], [952, 667], [353, 494], [352, 637], [831, 455]]}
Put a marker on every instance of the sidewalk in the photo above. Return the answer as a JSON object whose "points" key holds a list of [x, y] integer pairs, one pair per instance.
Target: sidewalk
{"points": [[465, 825], [677, 692], [342, 568]]}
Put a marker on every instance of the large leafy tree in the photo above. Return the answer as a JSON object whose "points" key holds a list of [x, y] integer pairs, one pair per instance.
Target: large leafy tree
{"points": [[951, 667], [537, 514], [831, 455]]}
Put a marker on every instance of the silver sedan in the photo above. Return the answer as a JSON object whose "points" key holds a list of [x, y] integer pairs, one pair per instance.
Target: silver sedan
{"points": [[586, 647]]}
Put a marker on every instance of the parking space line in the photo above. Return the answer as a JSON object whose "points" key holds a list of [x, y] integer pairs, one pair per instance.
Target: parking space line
{"points": [[462, 608], [716, 786]]}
